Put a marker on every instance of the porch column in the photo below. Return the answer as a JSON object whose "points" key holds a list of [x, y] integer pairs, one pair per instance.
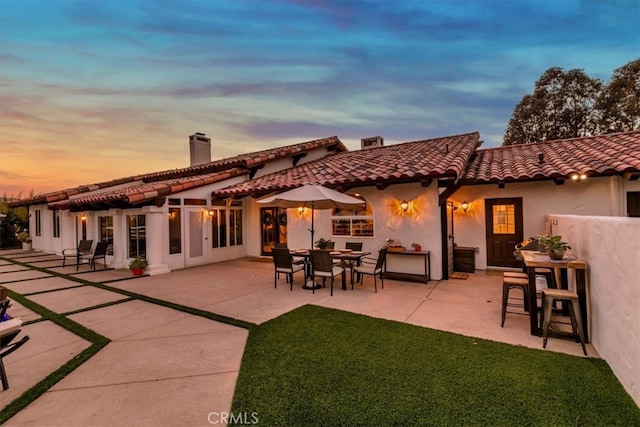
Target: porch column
{"points": [[156, 230]]}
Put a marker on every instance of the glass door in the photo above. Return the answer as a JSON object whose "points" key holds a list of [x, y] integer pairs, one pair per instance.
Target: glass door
{"points": [[273, 223]]}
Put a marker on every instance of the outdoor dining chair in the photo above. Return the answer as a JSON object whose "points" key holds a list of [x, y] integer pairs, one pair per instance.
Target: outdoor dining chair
{"points": [[372, 269], [354, 246], [9, 329], [283, 262], [323, 266], [99, 252], [84, 248]]}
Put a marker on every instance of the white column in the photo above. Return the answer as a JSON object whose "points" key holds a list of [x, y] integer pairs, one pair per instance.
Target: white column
{"points": [[156, 230]]}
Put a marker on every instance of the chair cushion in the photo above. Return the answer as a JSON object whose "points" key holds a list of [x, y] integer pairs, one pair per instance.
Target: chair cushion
{"points": [[335, 271], [367, 269], [295, 268], [9, 326]]}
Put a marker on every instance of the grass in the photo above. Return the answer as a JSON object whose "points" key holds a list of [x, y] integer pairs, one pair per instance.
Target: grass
{"points": [[318, 366]]}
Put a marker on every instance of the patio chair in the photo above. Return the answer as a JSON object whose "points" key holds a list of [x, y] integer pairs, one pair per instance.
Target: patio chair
{"points": [[84, 248], [322, 266], [354, 246], [283, 262], [372, 269], [99, 252], [9, 329]]}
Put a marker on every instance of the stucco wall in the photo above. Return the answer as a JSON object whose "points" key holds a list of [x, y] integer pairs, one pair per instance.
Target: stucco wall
{"points": [[611, 248], [421, 224], [595, 196]]}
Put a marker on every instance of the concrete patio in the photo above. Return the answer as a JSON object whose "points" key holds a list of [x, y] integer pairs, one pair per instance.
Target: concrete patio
{"points": [[169, 367]]}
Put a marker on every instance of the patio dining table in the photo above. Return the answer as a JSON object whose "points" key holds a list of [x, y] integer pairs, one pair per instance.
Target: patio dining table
{"points": [[351, 257], [534, 259]]}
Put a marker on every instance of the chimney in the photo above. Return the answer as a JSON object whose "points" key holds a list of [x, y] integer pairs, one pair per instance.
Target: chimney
{"points": [[199, 149], [374, 141]]}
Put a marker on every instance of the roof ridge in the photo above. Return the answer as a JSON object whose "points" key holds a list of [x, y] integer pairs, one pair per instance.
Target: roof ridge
{"points": [[558, 141]]}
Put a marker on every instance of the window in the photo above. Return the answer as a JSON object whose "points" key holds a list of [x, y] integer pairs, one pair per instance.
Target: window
{"points": [[219, 226], [38, 222], [633, 203], [137, 236], [175, 230], [105, 223], [504, 219], [56, 223], [356, 222], [235, 223]]}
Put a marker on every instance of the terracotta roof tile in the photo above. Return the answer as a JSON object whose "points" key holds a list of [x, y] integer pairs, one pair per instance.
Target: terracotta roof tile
{"points": [[142, 193], [594, 156], [216, 167], [406, 162]]}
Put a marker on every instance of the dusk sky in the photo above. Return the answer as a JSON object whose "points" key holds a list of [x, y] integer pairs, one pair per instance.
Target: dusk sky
{"points": [[96, 90]]}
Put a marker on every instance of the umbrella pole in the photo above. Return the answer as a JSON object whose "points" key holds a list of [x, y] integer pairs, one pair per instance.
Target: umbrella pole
{"points": [[311, 285]]}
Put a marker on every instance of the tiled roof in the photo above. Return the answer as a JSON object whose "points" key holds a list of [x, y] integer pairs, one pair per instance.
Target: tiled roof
{"points": [[143, 193], [250, 160], [603, 155], [171, 181], [406, 162]]}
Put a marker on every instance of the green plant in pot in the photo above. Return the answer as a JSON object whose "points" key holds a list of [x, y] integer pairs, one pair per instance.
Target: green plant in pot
{"points": [[555, 246], [323, 243], [138, 264]]}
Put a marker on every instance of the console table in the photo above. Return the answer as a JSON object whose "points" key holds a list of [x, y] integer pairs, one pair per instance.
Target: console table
{"points": [[408, 265]]}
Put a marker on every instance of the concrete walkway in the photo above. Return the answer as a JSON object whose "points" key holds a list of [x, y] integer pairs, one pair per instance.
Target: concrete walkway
{"points": [[163, 366]]}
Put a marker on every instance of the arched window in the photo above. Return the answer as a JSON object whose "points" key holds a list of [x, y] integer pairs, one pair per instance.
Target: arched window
{"points": [[356, 222]]}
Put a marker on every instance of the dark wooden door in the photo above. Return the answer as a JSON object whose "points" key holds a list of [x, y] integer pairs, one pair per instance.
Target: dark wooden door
{"points": [[504, 231]]}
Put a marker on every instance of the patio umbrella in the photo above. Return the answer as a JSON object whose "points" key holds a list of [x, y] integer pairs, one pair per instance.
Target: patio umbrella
{"points": [[312, 196]]}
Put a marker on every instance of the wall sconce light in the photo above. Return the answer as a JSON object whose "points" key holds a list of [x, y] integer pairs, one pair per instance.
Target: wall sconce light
{"points": [[211, 212], [578, 177], [301, 210], [464, 205], [84, 217], [404, 205]]}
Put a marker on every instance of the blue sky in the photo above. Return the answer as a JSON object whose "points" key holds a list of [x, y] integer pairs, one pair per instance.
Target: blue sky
{"points": [[95, 90]]}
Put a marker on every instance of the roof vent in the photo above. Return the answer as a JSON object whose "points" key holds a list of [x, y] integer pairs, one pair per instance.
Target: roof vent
{"points": [[540, 159], [374, 141], [199, 149]]}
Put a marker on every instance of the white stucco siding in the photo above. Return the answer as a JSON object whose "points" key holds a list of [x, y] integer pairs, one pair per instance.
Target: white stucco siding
{"points": [[611, 248], [595, 196], [421, 224]]}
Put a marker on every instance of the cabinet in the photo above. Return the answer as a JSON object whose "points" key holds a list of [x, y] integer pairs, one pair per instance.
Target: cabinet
{"points": [[464, 259], [408, 265]]}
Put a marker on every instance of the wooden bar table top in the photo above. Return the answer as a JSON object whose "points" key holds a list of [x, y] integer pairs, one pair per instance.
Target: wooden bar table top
{"points": [[535, 259]]}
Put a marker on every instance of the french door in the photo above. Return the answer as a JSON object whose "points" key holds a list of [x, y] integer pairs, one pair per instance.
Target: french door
{"points": [[196, 249]]}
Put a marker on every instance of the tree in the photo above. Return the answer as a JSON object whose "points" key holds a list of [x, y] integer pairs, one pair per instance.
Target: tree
{"points": [[562, 106], [619, 102]]}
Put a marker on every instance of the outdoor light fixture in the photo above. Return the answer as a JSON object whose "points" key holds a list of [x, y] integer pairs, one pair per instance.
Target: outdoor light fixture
{"points": [[211, 212], [404, 205], [83, 217], [578, 177], [464, 205], [301, 210]]}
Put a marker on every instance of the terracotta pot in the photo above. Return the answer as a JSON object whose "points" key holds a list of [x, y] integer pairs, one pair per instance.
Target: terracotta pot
{"points": [[418, 248], [137, 271]]}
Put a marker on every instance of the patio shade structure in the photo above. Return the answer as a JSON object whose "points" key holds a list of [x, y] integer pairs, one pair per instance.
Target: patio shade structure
{"points": [[312, 196]]}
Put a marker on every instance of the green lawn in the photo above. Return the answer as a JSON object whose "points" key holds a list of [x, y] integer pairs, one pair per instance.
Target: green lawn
{"points": [[318, 366]]}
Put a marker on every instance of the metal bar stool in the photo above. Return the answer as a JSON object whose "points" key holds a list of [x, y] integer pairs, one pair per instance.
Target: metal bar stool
{"points": [[549, 296], [509, 283]]}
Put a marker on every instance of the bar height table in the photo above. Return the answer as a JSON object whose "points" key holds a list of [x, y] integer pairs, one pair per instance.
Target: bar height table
{"points": [[534, 259]]}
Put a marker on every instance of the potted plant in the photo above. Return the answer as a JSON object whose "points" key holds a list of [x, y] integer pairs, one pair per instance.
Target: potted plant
{"points": [[417, 247], [137, 265], [25, 238], [555, 246], [323, 244]]}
